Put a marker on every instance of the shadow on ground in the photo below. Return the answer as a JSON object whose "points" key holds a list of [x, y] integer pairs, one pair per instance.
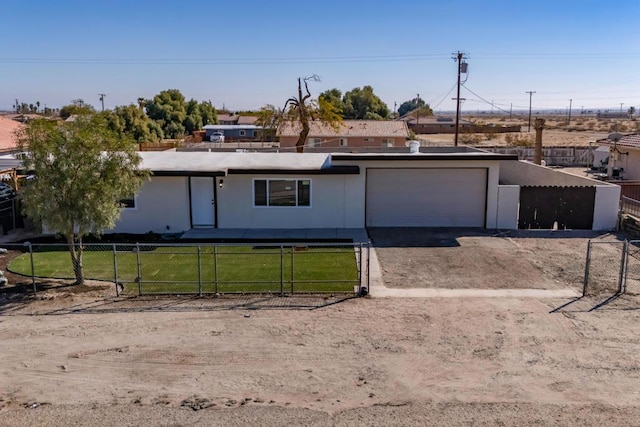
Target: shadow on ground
{"points": [[588, 304], [18, 305]]}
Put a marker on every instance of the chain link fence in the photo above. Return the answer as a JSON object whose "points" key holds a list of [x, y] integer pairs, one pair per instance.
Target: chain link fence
{"points": [[181, 269], [612, 267]]}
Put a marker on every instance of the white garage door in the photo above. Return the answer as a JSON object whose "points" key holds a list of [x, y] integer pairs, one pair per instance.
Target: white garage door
{"points": [[426, 197]]}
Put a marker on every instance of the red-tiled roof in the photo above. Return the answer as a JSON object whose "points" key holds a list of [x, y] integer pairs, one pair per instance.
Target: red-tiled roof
{"points": [[632, 141], [350, 128]]}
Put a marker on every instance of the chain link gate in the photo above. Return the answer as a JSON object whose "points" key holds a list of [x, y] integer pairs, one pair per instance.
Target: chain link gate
{"points": [[604, 267]]}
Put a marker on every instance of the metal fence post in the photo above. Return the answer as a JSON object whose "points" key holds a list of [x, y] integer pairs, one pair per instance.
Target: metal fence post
{"points": [[360, 270], [292, 268], [33, 270], [215, 268], [586, 269], [139, 278], [368, 265], [281, 269], [115, 270], [622, 265], [199, 273]]}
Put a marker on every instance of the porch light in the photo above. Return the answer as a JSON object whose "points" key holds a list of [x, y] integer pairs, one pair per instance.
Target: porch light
{"points": [[221, 183]]}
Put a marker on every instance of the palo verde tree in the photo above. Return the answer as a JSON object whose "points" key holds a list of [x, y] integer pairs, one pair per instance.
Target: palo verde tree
{"points": [[82, 169], [301, 110]]}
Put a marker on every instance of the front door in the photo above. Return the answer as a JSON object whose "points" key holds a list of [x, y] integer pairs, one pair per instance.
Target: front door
{"points": [[202, 201]]}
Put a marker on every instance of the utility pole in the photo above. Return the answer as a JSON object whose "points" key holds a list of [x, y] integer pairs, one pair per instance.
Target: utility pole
{"points": [[459, 57], [102, 95], [531, 92], [569, 119], [621, 104], [510, 110]]}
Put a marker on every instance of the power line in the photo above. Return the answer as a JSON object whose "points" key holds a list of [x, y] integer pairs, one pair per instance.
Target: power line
{"points": [[484, 100], [312, 59]]}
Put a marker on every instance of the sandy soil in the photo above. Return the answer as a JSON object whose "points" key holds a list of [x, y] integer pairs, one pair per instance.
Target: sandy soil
{"points": [[7, 129], [374, 361], [89, 358], [556, 133]]}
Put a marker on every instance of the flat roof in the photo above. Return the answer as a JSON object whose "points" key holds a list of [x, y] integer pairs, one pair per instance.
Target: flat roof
{"points": [[216, 163], [474, 155]]}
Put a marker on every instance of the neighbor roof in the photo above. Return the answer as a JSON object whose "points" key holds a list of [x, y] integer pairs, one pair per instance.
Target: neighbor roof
{"points": [[632, 141], [349, 128]]}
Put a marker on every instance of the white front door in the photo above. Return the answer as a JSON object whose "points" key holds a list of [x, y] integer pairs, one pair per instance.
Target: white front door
{"points": [[202, 201]]}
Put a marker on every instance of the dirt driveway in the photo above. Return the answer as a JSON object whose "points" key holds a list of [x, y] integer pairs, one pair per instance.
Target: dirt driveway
{"points": [[481, 259]]}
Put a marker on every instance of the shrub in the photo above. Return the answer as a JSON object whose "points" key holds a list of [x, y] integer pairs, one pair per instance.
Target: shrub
{"points": [[518, 140]]}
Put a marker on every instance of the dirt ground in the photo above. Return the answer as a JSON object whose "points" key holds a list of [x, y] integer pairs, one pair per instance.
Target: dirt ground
{"points": [[478, 259], [557, 133], [93, 359]]}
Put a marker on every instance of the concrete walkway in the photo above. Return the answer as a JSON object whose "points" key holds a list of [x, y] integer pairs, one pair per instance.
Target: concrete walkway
{"points": [[377, 289], [357, 235]]}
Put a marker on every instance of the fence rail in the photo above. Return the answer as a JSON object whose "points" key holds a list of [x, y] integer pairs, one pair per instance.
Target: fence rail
{"points": [[161, 268]]}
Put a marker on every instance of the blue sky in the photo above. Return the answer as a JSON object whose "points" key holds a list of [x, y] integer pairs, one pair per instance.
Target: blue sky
{"points": [[245, 54]]}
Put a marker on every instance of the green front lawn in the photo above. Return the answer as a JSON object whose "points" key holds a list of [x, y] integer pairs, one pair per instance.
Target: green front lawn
{"points": [[231, 269]]}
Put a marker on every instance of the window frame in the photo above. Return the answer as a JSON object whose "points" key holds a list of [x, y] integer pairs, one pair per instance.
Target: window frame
{"points": [[343, 142], [129, 208], [296, 182], [314, 142], [243, 132]]}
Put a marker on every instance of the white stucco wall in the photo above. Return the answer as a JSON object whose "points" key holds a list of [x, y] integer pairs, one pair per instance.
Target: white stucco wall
{"points": [[508, 207], [332, 204], [605, 212], [525, 173], [162, 206]]}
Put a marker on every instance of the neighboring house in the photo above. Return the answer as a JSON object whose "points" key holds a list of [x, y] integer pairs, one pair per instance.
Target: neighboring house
{"points": [[430, 125], [351, 133], [233, 119], [443, 187], [624, 155], [234, 132]]}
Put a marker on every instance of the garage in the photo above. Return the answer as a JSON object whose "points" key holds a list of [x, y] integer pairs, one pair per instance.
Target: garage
{"points": [[426, 197]]}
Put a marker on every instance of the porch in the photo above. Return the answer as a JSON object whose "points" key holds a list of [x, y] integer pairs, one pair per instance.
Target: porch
{"points": [[356, 235]]}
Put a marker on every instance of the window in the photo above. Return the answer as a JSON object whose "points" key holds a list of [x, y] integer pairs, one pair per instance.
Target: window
{"points": [[343, 142], [243, 132], [387, 143], [282, 192], [314, 142], [128, 202], [368, 140]]}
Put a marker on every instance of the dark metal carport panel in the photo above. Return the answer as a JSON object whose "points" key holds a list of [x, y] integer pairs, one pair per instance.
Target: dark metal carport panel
{"points": [[542, 207]]}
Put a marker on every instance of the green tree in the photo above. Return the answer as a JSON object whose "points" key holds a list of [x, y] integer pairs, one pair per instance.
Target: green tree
{"points": [[77, 107], [131, 120], [269, 118], [334, 97], [82, 169], [364, 104], [169, 109], [301, 110], [414, 104], [198, 115]]}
